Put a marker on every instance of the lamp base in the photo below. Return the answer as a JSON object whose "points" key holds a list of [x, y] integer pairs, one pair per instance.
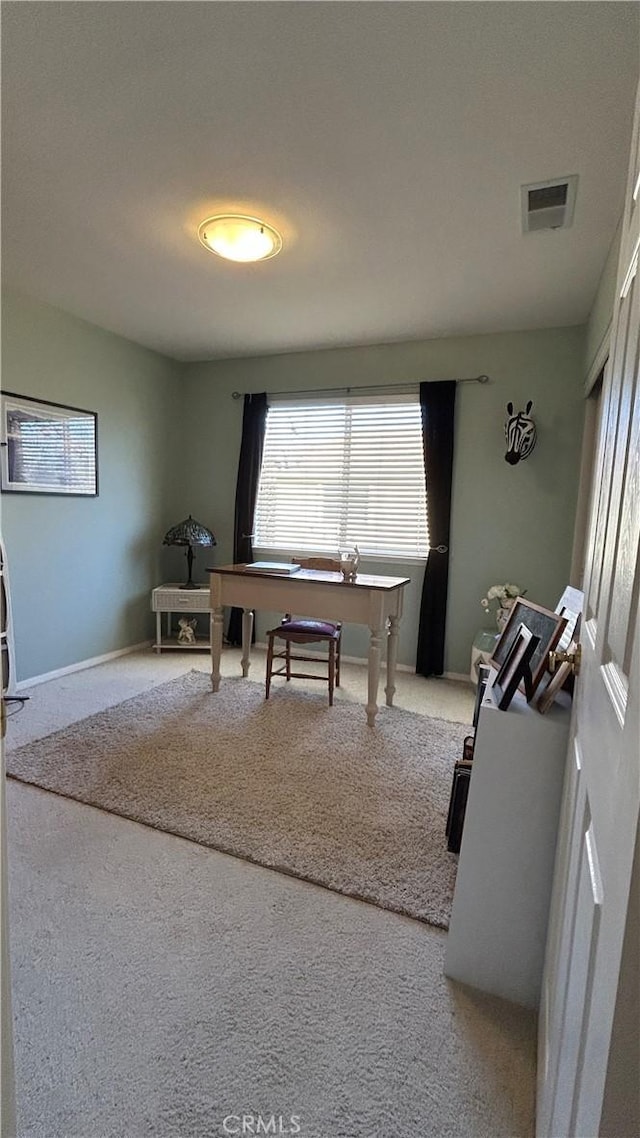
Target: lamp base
{"points": [[189, 583]]}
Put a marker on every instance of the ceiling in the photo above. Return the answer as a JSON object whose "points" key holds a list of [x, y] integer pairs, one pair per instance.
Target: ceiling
{"points": [[386, 141]]}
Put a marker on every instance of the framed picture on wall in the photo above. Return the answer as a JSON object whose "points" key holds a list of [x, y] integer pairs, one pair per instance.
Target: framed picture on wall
{"points": [[47, 448], [546, 625]]}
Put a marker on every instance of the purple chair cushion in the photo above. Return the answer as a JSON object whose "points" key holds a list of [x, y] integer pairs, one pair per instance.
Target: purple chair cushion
{"points": [[309, 627]]}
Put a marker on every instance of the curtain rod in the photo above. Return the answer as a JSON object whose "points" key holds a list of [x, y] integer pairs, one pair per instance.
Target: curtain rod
{"points": [[360, 387]]}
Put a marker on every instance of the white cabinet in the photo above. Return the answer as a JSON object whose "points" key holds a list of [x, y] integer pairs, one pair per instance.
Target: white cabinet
{"points": [[501, 902], [170, 599]]}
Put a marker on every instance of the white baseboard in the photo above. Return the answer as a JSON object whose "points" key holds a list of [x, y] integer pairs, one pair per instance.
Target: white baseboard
{"points": [[464, 677], [95, 660], [351, 659], [399, 667], [81, 665]]}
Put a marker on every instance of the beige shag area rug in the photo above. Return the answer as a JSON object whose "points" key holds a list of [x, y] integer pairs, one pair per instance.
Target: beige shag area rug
{"points": [[291, 784]]}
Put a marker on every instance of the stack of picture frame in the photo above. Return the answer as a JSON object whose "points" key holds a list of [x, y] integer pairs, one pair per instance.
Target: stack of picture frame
{"points": [[462, 771], [521, 655], [520, 661]]}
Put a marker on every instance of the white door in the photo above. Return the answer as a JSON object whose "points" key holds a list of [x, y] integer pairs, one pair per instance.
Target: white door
{"points": [[600, 811]]}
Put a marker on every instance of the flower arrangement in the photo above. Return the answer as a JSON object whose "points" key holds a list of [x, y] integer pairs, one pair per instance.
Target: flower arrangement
{"points": [[502, 595]]}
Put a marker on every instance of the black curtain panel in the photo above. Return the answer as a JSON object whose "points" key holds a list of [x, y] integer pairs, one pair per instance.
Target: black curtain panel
{"points": [[254, 421], [437, 401]]}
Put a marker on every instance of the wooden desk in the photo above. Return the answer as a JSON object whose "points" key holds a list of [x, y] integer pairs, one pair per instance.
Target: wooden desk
{"points": [[374, 601]]}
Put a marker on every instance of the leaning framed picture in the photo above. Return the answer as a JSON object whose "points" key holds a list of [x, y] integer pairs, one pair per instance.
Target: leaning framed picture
{"points": [[556, 683], [47, 448], [546, 625], [570, 607], [516, 668]]}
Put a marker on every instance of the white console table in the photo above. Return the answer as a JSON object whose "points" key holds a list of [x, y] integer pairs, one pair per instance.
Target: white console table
{"points": [[482, 650], [501, 902], [171, 599]]}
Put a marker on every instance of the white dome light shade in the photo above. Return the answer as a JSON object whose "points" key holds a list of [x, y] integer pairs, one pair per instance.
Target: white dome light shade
{"points": [[239, 238]]}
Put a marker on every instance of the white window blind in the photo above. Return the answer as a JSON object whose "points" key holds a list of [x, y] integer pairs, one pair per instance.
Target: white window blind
{"points": [[343, 472]]}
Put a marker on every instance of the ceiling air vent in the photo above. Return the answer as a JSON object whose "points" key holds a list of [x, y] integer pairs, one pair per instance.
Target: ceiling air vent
{"points": [[548, 205]]}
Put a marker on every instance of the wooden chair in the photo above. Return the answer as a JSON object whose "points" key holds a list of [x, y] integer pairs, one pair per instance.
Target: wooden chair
{"points": [[306, 631]]}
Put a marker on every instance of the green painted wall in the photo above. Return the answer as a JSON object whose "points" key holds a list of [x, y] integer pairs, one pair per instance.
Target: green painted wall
{"points": [[509, 523], [81, 568], [602, 309]]}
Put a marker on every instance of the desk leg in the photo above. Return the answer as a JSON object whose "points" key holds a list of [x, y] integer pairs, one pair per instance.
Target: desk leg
{"points": [[374, 675], [158, 632], [392, 657], [216, 646], [247, 629]]}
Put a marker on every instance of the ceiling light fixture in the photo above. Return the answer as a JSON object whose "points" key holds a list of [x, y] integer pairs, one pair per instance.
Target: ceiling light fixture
{"points": [[239, 238]]}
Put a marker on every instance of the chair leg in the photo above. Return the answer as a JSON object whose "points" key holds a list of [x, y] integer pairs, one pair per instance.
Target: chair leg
{"points": [[338, 663], [288, 660], [269, 665], [332, 669]]}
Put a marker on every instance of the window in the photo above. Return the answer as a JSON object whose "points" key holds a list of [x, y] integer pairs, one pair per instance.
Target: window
{"points": [[343, 472]]}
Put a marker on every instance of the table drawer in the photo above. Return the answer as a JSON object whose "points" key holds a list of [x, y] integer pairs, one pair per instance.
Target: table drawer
{"points": [[180, 600]]}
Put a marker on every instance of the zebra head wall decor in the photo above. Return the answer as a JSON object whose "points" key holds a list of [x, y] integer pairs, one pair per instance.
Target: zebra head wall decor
{"points": [[520, 433]]}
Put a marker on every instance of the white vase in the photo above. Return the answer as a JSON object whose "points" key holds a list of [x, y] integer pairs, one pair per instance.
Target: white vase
{"points": [[503, 613]]}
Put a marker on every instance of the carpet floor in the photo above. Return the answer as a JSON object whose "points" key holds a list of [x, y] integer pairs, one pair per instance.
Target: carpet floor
{"points": [[289, 784]]}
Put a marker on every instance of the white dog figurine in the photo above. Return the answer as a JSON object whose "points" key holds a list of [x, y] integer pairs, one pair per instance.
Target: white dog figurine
{"points": [[187, 633]]}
